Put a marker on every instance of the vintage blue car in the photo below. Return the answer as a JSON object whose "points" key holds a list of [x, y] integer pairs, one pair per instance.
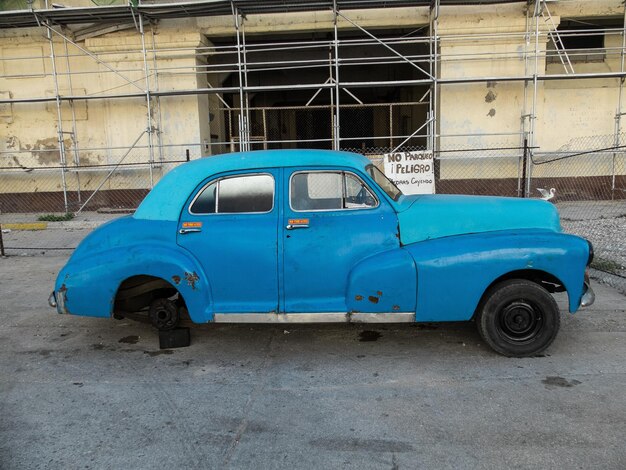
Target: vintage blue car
{"points": [[322, 236]]}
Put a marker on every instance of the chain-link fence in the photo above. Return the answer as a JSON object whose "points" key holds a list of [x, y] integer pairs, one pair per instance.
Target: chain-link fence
{"points": [[44, 210]]}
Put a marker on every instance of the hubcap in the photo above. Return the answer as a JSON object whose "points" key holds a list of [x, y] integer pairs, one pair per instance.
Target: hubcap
{"points": [[520, 321]]}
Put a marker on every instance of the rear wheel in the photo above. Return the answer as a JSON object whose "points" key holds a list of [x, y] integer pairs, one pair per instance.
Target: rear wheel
{"points": [[518, 318]]}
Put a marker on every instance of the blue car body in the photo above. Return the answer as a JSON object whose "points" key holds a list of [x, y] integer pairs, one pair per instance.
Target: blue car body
{"points": [[412, 258]]}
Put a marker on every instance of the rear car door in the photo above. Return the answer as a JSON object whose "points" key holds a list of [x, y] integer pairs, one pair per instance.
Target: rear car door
{"points": [[230, 224]]}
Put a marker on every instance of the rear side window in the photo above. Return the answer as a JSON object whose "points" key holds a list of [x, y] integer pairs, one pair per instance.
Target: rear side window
{"points": [[326, 190], [236, 194]]}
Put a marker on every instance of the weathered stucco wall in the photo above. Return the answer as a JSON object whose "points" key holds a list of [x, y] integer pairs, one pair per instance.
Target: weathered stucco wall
{"points": [[486, 114], [104, 129]]}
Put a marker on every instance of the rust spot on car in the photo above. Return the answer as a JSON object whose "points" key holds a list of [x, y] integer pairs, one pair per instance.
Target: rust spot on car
{"points": [[191, 279], [396, 307], [358, 297], [379, 293], [373, 299], [176, 279]]}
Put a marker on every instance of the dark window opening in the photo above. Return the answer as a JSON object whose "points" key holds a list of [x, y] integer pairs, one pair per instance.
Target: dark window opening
{"points": [[581, 43], [239, 194]]}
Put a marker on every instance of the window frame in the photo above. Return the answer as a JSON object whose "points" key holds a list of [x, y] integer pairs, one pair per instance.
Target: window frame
{"points": [[343, 190], [217, 194]]}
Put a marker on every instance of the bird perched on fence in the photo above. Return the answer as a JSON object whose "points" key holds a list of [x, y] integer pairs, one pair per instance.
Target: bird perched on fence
{"points": [[545, 194]]}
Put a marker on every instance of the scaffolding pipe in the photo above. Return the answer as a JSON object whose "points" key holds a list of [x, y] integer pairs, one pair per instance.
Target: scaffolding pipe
{"points": [[150, 128], [245, 84], [242, 132], [74, 127], [435, 76], [533, 113], [315, 86], [521, 164], [156, 87], [618, 113], [59, 120], [336, 117]]}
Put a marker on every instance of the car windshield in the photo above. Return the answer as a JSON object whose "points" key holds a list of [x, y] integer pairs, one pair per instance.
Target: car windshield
{"points": [[385, 183]]}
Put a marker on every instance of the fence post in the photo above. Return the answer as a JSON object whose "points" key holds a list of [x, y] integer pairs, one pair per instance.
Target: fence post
{"points": [[1, 242], [524, 165]]}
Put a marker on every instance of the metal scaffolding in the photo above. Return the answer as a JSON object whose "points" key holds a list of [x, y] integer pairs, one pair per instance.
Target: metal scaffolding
{"points": [[419, 51]]}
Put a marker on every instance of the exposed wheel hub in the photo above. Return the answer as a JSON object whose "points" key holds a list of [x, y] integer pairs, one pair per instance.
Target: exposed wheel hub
{"points": [[164, 314]]}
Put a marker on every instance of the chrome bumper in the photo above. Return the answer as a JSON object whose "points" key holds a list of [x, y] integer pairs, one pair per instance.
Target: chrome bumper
{"points": [[52, 300], [57, 300], [588, 297]]}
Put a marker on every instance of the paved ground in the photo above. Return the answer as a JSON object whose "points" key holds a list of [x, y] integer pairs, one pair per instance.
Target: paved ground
{"points": [[88, 393]]}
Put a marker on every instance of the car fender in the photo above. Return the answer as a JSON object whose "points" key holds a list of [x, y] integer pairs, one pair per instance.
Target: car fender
{"points": [[454, 272], [384, 282], [108, 268]]}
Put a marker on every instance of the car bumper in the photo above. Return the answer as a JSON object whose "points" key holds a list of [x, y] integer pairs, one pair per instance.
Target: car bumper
{"points": [[57, 300]]}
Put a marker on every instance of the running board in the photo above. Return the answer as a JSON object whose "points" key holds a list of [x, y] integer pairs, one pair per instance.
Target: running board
{"points": [[330, 317]]}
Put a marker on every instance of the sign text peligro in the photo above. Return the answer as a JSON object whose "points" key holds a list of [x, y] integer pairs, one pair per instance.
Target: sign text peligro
{"points": [[412, 172]]}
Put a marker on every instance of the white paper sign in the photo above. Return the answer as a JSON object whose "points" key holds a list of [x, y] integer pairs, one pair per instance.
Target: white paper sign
{"points": [[413, 172]]}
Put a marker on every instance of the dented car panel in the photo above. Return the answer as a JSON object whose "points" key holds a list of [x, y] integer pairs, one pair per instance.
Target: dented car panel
{"points": [[375, 257]]}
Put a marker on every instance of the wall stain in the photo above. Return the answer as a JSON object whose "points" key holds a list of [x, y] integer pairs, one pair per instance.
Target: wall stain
{"points": [[491, 113], [46, 151]]}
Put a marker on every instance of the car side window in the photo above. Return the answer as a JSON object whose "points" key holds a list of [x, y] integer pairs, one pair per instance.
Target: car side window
{"points": [[236, 194], [329, 190]]}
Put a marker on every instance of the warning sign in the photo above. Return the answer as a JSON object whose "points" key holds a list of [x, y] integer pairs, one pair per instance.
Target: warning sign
{"points": [[412, 172]]}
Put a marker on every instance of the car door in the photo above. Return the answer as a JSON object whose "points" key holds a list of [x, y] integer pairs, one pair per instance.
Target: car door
{"points": [[332, 219], [230, 225]]}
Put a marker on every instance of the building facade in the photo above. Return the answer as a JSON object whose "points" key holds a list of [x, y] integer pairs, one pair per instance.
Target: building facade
{"points": [[99, 98]]}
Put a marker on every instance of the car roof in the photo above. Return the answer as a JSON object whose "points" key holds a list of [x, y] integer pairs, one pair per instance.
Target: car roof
{"points": [[166, 199]]}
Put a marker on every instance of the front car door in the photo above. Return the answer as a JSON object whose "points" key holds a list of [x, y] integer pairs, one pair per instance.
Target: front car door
{"points": [[230, 224], [332, 219]]}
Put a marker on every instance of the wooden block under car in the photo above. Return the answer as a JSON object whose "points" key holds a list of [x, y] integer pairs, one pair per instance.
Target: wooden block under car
{"points": [[176, 338]]}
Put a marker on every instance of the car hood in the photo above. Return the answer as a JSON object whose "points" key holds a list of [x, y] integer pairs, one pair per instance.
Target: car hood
{"points": [[434, 216]]}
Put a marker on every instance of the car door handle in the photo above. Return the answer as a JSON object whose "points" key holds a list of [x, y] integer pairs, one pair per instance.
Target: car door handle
{"points": [[184, 231], [294, 226]]}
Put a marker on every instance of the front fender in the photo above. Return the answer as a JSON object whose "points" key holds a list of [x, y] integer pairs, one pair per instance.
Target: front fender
{"points": [[454, 272], [88, 285]]}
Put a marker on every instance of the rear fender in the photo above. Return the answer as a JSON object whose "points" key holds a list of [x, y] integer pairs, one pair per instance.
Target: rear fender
{"points": [[109, 268]]}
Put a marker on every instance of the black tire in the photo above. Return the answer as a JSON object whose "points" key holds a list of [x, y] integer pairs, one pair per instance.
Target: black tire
{"points": [[518, 318], [164, 314]]}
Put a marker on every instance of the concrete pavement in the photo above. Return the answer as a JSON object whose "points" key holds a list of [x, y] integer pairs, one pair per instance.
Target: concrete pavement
{"points": [[99, 394]]}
